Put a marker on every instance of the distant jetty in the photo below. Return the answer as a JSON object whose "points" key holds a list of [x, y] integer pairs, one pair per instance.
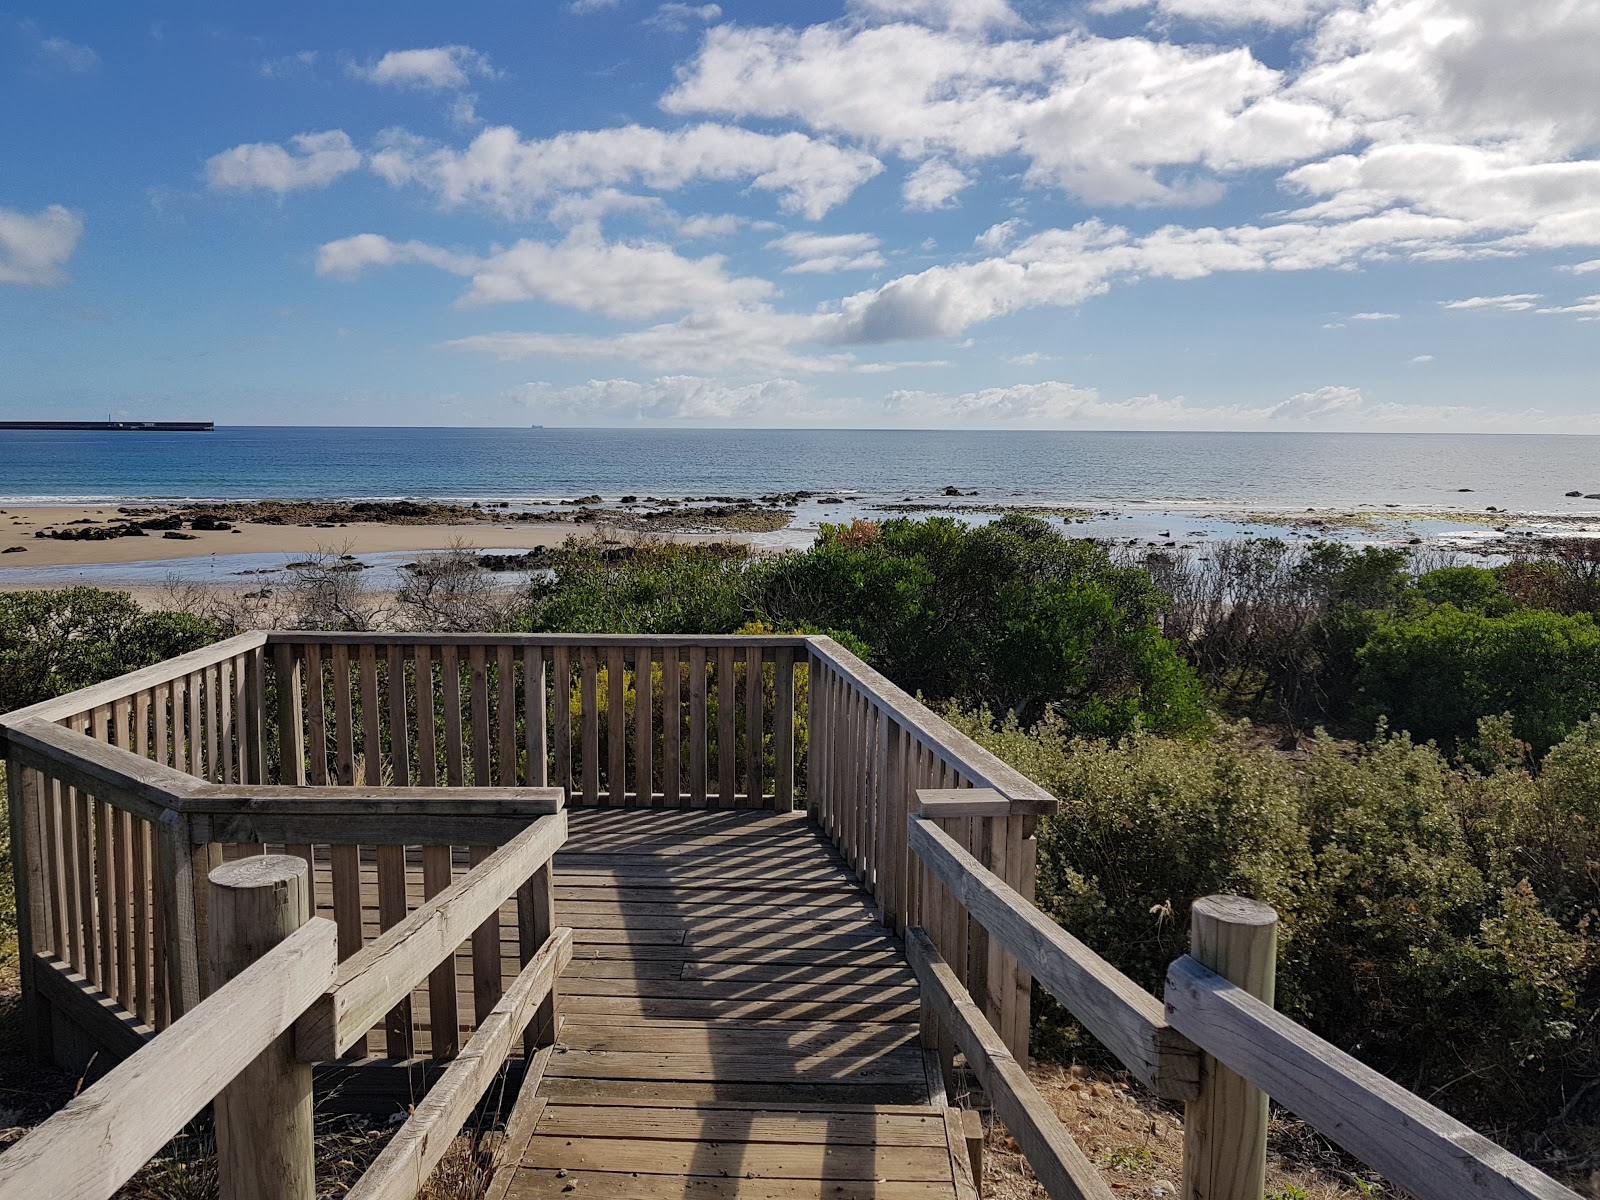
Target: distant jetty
{"points": [[118, 426]]}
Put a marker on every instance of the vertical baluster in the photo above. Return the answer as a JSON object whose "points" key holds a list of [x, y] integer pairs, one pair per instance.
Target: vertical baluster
{"points": [[104, 883], [671, 729], [697, 726], [399, 719], [478, 677], [783, 723], [534, 720], [644, 728], [345, 861], [589, 694], [561, 716], [486, 964], [371, 717], [427, 739], [754, 751], [211, 715], [727, 729], [391, 911], [443, 1021], [506, 715], [616, 727], [56, 879], [450, 680], [227, 762], [194, 689]]}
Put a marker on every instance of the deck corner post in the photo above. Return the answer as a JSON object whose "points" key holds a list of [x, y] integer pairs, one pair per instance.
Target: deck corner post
{"points": [[24, 800], [1225, 1129], [263, 1117], [180, 922], [536, 905]]}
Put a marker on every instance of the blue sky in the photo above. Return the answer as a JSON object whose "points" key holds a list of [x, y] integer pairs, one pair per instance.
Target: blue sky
{"points": [[1166, 214]]}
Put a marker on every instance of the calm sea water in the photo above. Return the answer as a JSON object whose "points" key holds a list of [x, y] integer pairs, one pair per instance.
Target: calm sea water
{"points": [[1276, 470]]}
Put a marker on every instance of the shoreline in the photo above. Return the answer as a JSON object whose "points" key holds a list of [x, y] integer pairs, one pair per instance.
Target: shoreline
{"points": [[234, 540]]}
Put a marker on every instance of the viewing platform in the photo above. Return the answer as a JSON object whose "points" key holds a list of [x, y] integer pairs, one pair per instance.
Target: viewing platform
{"points": [[638, 916]]}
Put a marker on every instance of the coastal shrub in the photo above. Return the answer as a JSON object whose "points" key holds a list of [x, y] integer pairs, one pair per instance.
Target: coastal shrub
{"points": [[1010, 615], [1436, 918], [1436, 673], [57, 641], [647, 587], [1471, 589]]}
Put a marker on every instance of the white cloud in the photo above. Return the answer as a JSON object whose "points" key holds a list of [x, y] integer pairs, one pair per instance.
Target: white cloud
{"points": [[584, 7], [1582, 268], [1117, 121], [34, 249], [1586, 309], [502, 171], [582, 272], [1423, 358], [1520, 302], [816, 253], [1031, 359], [436, 68], [69, 56], [933, 185], [1273, 13], [666, 398], [315, 161], [998, 237], [1323, 402], [1374, 316], [966, 15], [675, 18]]}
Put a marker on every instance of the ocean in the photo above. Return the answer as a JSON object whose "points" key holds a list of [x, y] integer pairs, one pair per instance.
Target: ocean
{"points": [[1190, 471]]}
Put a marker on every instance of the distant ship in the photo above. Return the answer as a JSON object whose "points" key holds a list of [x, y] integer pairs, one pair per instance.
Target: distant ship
{"points": [[538, 427]]}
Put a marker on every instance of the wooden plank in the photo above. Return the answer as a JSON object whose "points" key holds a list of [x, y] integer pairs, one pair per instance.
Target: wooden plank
{"points": [[455, 771], [758, 1160], [371, 718], [400, 1171], [1419, 1149], [534, 717], [391, 911], [896, 1066], [194, 690], [654, 640], [755, 751], [1055, 1158], [616, 727], [91, 766], [370, 982], [122, 886], [486, 960], [180, 924], [505, 712], [697, 726], [589, 716], [534, 1184], [345, 832], [783, 721], [727, 735], [213, 721], [561, 698], [115, 1032], [1126, 1018], [144, 985], [671, 729], [427, 743], [478, 678], [644, 725], [399, 719], [444, 1019], [946, 804], [105, 1134]]}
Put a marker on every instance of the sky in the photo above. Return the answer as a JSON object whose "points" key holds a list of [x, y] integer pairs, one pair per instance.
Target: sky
{"points": [[1116, 214]]}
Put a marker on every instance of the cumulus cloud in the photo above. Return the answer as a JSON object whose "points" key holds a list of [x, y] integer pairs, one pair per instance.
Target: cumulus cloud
{"points": [[933, 185], [1520, 302], [1272, 13], [1323, 402], [1374, 316], [312, 160], [665, 398], [1583, 268], [815, 253], [435, 68], [34, 249], [1117, 121], [502, 171], [582, 272]]}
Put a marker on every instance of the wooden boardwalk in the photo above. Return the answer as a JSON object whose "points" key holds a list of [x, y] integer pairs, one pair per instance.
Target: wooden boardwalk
{"points": [[735, 1024]]}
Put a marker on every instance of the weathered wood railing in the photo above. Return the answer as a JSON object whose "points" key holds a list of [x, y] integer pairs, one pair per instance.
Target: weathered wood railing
{"points": [[248, 1045], [873, 748], [1215, 1044]]}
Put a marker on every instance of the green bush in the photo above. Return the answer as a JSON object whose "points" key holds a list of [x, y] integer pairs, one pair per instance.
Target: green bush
{"points": [[1438, 672], [57, 641]]}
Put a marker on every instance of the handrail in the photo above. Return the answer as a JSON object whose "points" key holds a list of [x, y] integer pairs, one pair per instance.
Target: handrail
{"points": [[399, 1172], [1123, 1016], [375, 978], [952, 746], [654, 641], [111, 690], [103, 1136], [1055, 1158], [1420, 1149]]}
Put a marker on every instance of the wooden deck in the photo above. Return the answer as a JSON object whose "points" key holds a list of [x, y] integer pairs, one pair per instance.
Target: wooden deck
{"points": [[735, 1023]]}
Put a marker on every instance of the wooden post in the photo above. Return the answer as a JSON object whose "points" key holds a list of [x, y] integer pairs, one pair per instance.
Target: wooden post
{"points": [[263, 1118], [1225, 1130], [536, 909], [25, 792]]}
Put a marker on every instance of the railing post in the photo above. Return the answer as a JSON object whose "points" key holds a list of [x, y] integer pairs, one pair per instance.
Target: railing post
{"points": [[25, 798], [1225, 1130], [263, 1118]]}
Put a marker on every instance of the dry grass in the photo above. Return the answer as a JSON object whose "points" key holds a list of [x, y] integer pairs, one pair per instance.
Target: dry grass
{"points": [[1137, 1143]]}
